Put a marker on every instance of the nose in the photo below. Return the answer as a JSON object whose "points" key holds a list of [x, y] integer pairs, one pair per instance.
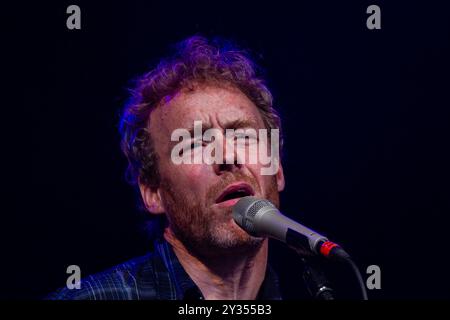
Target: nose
{"points": [[229, 161]]}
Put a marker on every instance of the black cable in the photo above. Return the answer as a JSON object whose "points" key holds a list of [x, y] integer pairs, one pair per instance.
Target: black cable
{"points": [[339, 254], [359, 277]]}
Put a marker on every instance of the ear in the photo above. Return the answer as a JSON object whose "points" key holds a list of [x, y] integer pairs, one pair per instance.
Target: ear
{"points": [[151, 197], [280, 178]]}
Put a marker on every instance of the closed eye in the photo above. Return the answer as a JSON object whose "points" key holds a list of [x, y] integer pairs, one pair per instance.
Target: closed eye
{"points": [[246, 138], [190, 147]]}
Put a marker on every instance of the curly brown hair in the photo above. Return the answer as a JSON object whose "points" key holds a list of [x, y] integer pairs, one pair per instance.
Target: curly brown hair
{"points": [[197, 61]]}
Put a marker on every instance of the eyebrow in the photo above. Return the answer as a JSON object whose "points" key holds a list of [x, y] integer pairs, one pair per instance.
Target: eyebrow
{"points": [[241, 123], [234, 124]]}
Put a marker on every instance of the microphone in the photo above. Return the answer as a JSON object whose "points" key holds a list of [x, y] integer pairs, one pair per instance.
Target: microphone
{"points": [[260, 218]]}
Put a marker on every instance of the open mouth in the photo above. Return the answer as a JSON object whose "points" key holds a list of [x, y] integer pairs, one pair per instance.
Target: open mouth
{"points": [[235, 192]]}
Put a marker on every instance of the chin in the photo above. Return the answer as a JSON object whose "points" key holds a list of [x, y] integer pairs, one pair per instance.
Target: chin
{"points": [[231, 236]]}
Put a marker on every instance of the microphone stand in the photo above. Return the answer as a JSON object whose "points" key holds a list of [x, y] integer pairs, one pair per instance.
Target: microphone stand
{"points": [[316, 282]]}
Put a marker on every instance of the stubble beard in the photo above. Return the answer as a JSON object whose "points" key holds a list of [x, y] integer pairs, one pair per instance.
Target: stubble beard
{"points": [[207, 232]]}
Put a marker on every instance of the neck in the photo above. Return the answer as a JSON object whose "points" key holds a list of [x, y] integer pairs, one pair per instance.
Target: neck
{"points": [[228, 277]]}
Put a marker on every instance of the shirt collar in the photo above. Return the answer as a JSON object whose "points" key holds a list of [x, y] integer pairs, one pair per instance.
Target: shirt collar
{"points": [[185, 287]]}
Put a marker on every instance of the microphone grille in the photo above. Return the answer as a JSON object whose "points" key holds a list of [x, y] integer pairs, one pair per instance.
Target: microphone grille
{"points": [[257, 205], [245, 210]]}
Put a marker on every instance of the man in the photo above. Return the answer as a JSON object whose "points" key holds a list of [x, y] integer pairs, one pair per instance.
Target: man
{"points": [[202, 253]]}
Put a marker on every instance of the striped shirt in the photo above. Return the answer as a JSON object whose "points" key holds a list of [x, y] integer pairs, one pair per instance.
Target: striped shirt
{"points": [[158, 275]]}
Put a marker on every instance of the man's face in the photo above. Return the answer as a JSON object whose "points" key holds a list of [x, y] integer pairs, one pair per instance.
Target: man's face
{"points": [[198, 198]]}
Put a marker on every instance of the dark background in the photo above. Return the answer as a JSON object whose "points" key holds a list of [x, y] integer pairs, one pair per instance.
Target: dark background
{"points": [[365, 116]]}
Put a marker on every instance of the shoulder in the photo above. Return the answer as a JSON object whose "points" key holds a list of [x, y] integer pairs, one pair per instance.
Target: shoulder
{"points": [[131, 280]]}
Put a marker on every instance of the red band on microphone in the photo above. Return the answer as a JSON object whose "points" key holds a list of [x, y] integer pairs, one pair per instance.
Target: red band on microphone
{"points": [[326, 248]]}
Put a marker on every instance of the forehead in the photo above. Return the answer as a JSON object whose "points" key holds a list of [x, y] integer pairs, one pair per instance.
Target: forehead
{"points": [[214, 106]]}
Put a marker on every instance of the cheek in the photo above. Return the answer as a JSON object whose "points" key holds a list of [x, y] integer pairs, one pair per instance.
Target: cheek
{"points": [[255, 170], [269, 182], [265, 182], [186, 177]]}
